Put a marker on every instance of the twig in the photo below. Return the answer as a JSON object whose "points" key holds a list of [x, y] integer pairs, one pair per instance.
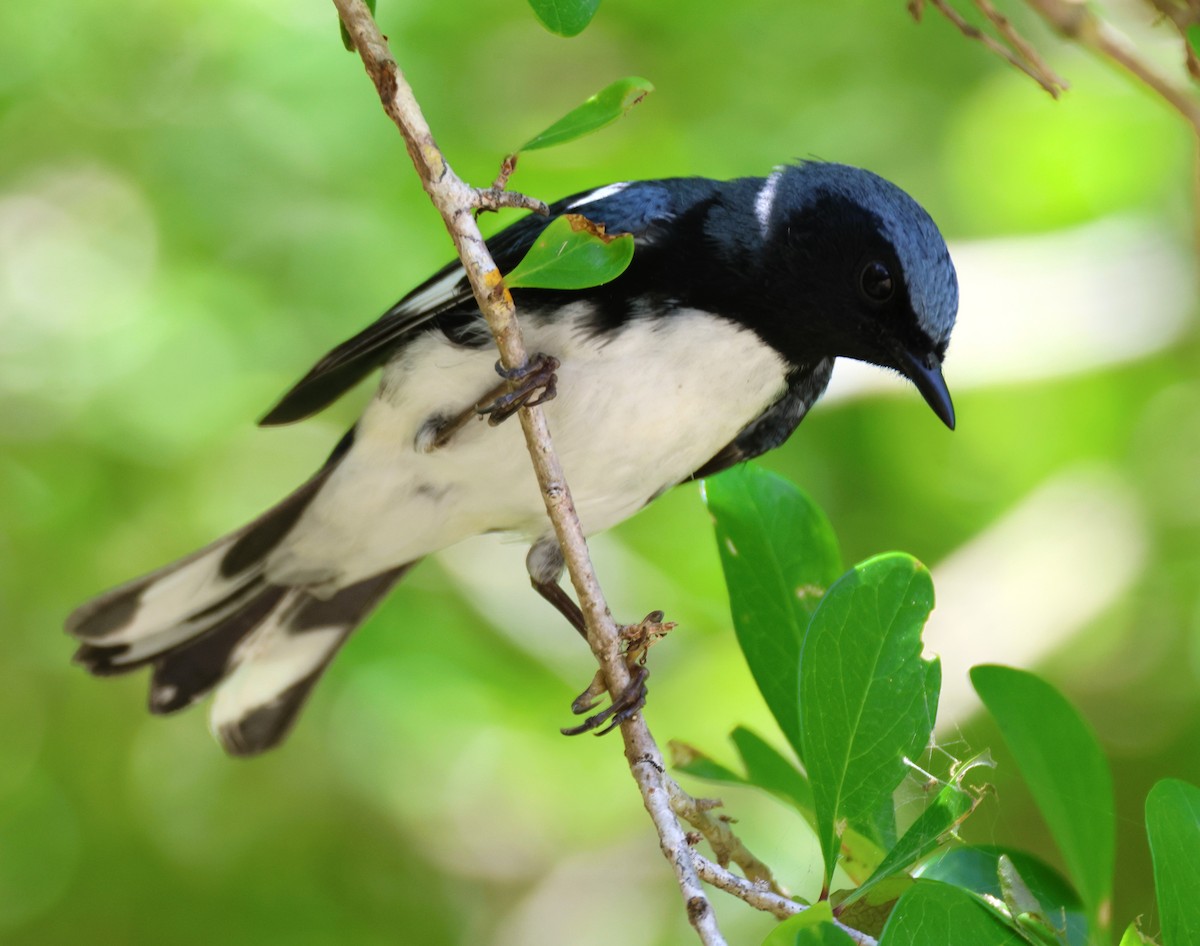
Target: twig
{"points": [[1076, 21], [1021, 45], [1020, 53], [759, 897], [726, 845], [1184, 16], [755, 894], [456, 202]]}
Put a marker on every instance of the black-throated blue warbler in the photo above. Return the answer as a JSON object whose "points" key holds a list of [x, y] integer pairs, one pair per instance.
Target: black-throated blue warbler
{"points": [[708, 350]]}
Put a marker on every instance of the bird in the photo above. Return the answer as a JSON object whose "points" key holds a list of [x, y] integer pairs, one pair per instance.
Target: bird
{"points": [[707, 351]]}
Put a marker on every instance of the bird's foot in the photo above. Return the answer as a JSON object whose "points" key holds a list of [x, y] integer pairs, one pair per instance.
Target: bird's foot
{"points": [[637, 640], [531, 385], [627, 703]]}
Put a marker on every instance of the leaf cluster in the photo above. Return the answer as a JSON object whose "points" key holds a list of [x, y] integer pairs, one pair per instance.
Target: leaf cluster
{"points": [[837, 656]]}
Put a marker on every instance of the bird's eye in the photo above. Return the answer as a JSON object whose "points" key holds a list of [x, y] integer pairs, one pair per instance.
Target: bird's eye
{"points": [[876, 282]]}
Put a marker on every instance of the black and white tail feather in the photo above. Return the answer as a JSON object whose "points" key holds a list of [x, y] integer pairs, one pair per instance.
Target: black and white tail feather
{"points": [[212, 621]]}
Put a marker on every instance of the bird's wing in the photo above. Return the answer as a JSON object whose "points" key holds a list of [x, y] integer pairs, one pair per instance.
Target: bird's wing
{"points": [[621, 208]]}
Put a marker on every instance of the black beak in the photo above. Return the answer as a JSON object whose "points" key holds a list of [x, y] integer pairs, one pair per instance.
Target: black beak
{"points": [[926, 373]]}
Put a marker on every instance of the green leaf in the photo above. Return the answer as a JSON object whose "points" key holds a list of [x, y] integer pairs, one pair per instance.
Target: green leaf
{"points": [[937, 914], [1173, 825], [864, 686], [346, 40], [977, 868], [947, 810], [813, 927], [1193, 37], [768, 769], [603, 108], [690, 760], [565, 17], [1133, 936], [572, 253], [1026, 911], [779, 555], [1066, 771]]}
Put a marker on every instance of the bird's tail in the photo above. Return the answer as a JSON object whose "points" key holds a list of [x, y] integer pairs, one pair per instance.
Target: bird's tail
{"points": [[213, 621]]}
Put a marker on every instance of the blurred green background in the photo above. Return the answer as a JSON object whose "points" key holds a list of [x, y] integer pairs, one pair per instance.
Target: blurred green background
{"points": [[199, 199]]}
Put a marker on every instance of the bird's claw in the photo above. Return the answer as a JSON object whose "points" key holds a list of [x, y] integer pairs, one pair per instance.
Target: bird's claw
{"points": [[627, 704], [532, 384], [637, 638], [590, 698]]}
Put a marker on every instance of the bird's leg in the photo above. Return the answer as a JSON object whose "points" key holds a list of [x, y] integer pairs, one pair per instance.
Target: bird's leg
{"points": [[533, 384], [545, 564]]}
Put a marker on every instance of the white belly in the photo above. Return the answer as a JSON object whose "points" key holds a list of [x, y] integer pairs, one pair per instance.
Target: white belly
{"points": [[633, 416]]}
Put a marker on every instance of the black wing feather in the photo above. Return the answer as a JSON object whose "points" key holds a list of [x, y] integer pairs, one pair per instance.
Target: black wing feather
{"points": [[630, 210]]}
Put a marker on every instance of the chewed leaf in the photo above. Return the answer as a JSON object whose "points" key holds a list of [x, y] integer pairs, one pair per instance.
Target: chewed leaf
{"points": [[603, 108], [866, 695], [565, 17], [572, 253]]}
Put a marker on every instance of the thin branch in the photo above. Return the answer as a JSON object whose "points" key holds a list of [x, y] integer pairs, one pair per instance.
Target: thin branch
{"points": [[727, 846], [456, 202], [755, 894], [759, 897], [1020, 53], [1077, 22], [1183, 16], [1021, 46]]}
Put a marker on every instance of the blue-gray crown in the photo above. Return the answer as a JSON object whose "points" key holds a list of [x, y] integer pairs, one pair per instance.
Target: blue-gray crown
{"points": [[928, 271]]}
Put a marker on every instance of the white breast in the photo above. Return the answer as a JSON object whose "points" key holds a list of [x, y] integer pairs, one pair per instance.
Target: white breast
{"points": [[637, 411]]}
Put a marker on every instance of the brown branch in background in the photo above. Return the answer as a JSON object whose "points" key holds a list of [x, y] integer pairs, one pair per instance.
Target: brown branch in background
{"points": [[1183, 15], [457, 203], [1077, 22], [1022, 47], [1019, 52]]}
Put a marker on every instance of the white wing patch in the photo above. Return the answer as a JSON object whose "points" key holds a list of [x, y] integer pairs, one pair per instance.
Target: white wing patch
{"points": [[599, 194], [765, 201], [436, 294]]}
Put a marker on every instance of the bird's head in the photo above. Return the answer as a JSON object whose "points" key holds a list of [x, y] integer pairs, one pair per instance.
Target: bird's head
{"points": [[851, 266]]}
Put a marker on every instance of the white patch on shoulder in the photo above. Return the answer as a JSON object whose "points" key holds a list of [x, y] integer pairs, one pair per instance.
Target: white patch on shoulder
{"points": [[436, 293], [599, 194], [765, 201]]}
